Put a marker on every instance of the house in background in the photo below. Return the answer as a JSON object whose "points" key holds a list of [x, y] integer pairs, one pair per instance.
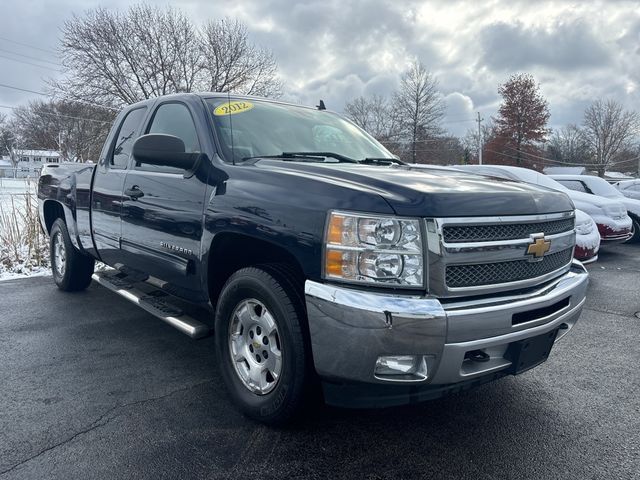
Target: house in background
{"points": [[30, 162], [6, 167]]}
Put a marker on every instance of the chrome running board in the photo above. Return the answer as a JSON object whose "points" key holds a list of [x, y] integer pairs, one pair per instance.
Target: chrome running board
{"points": [[154, 301]]}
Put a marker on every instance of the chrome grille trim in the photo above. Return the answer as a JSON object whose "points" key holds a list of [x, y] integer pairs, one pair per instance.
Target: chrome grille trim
{"points": [[475, 257], [482, 274], [504, 231]]}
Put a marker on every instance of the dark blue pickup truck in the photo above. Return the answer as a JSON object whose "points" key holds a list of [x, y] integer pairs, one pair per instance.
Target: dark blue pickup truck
{"points": [[316, 256]]}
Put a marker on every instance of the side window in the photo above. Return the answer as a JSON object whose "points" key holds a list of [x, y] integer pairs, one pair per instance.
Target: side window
{"points": [[173, 119], [125, 137], [574, 185]]}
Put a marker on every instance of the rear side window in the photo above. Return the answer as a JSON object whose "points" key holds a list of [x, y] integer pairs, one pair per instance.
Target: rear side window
{"points": [[173, 119], [127, 134], [575, 185]]}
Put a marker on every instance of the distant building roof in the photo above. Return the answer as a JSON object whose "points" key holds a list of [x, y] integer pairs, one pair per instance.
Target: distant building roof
{"points": [[617, 175], [565, 170], [37, 153]]}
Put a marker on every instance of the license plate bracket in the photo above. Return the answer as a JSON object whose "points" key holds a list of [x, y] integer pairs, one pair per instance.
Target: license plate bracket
{"points": [[531, 352]]}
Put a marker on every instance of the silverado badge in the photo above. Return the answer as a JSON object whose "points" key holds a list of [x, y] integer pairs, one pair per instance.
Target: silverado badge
{"points": [[175, 248], [538, 247]]}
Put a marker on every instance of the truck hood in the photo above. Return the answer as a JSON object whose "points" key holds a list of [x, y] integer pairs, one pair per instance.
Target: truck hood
{"points": [[437, 192]]}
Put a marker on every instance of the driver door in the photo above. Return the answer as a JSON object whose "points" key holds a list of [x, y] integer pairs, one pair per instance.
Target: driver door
{"points": [[162, 209]]}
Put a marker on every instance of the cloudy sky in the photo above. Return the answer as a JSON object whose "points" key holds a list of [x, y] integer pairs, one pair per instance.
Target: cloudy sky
{"points": [[339, 49]]}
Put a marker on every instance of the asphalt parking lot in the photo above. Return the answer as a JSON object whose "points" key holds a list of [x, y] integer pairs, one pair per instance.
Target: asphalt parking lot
{"points": [[92, 387]]}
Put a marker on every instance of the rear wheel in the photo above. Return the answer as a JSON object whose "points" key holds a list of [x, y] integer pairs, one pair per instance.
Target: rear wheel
{"points": [[260, 344], [71, 269]]}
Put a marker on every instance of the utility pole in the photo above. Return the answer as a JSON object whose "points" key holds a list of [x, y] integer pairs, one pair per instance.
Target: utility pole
{"points": [[479, 139]]}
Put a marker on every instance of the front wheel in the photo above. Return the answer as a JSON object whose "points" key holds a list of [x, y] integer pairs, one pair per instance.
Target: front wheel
{"points": [[635, 230], [260, 344], [71, 269]]}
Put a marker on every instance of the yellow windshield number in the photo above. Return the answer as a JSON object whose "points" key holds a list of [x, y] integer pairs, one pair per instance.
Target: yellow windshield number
{"points": [[231, 108]]}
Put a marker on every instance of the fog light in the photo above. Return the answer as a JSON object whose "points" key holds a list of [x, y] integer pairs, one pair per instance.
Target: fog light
{"points": [[403, 367]]}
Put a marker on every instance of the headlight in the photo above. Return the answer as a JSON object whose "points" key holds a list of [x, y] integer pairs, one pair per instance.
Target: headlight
{"points": [[585, 228], [617, 212], [368, 248]]}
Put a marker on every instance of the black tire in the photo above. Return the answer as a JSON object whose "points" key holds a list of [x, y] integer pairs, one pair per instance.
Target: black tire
{"points": [[636, 230], [77, 268], [275, 289]]}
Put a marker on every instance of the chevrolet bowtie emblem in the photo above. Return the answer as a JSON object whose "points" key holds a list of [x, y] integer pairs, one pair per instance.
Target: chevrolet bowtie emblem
{"points": [[539, 247]]}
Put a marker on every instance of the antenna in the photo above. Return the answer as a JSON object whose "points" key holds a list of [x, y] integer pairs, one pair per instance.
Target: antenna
{"points": [[321, 105]]}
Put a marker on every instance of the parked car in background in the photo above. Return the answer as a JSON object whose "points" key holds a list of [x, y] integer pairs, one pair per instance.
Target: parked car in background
{"points": [[587, 238], [629, 188], [599, 186], [614, 225]]}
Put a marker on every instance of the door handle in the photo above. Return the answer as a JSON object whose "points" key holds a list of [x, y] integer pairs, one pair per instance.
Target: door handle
{"points": [[134, 192]]}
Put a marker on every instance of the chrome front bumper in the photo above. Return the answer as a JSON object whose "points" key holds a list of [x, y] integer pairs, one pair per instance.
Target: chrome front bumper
{"points": [[351, 328]]}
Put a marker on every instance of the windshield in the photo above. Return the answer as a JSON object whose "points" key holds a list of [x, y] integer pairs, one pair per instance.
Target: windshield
{"points": [[262, 128], [599, 186]]}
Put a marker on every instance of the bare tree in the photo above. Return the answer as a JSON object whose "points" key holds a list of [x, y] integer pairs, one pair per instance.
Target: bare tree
{"points": [[377, 117], [234, 64], [120, 58], [522, 116], [443, 150], [609, 129], [76, 130], [569, 145], [8, 138], [419, 106]]}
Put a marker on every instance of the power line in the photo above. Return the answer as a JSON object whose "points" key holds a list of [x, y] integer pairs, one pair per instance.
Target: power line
{"points": [[551, 160], [30, 63], [557, 161], [29, 57], [505, 154], [523, 152], [22, 89], [59, 115], [460, 120], [52, 95], [27, 45]]}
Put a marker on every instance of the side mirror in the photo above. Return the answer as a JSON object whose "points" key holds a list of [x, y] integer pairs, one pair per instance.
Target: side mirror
{"points": [[163, 150]]}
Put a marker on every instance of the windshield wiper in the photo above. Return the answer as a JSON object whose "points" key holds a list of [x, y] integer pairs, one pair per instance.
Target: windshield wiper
{"points": [[309, 155], [337, 156], [382, 160]]}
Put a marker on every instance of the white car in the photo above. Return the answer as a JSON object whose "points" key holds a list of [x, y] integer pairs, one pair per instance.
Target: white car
{"points": [[614, 225], [629, 188], [599, 186], [587, 238]]}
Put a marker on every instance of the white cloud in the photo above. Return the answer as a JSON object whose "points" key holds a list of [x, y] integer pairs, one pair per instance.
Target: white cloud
{"points": [[460, 113], [336, 50]]}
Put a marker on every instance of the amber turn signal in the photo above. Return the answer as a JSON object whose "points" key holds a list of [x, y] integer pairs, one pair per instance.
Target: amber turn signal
{"points": [[334, 262], [336, 228]]}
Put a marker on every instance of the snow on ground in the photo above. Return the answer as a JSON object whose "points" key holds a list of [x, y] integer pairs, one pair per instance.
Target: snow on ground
{"points": [[34, 272]]}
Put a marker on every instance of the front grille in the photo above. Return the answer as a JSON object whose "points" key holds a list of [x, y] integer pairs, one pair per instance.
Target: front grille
{"points": [[459, 276], [508, 231]]}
